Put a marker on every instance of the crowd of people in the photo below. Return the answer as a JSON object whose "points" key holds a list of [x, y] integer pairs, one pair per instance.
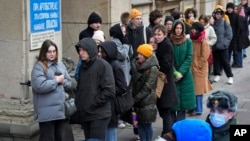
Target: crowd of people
{"points": [[189, 49]]}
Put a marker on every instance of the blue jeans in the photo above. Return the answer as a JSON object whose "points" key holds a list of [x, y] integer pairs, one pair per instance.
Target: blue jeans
{"points": [[244, 51], [145, 131], [111, 134], [199, 107]]}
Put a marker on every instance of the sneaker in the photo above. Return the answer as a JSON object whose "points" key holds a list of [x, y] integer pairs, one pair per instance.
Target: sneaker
{"points": [[121, 125], [244, 56], [230, 81], [216, 78]]}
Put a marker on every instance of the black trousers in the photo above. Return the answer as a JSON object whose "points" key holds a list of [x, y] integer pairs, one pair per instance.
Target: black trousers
{"points": [[96, 129], [167, 120], [221, 62], [52, 130]]}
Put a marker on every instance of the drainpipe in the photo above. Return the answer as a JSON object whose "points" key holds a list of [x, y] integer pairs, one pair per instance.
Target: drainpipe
{"points": [[153, 5]]}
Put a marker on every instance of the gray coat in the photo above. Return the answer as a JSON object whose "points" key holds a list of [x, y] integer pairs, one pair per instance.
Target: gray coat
{"points": [[125, 52], [48, 95], [224, 34]]}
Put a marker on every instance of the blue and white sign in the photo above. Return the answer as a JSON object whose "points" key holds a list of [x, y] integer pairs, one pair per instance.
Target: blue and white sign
{"points": [[45, 15]]}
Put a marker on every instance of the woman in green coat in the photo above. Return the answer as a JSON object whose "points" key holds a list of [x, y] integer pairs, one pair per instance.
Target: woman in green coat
{"points": [[183, 53]]}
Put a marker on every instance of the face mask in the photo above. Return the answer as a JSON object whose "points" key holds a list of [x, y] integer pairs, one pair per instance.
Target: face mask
{"points": [[217, 120]]}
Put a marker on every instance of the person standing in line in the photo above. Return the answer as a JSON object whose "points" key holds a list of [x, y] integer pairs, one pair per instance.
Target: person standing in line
{"points": [[244, 4], [224, 35], [135, 31], [190, 18], [201, 51], [96, 87], [180, 16], [183, 54], [155, 17], [125, 51], [211, 39], [165, 57], [169, 21], [108, 51], [49, 79], [99, 38], [242, 42], [144, 77], [94, 24], [223, 107], [234, 47]]}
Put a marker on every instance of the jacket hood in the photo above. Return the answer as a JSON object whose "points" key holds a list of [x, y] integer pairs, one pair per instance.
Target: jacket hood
{"points": [[198, 130], [116, 31], [183, 25], [110, 48], [89, 45], [149, 62]]}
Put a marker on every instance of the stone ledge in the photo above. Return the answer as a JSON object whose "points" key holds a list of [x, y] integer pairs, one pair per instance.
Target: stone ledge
{"points": [[20, 131]]}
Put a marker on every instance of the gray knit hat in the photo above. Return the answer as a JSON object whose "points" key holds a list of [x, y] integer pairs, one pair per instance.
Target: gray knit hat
{"points": [[223, 100]]}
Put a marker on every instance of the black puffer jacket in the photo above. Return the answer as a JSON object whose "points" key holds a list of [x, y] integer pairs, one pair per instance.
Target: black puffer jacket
{"points": [[96, 85], [144, 78], [136, 36]]}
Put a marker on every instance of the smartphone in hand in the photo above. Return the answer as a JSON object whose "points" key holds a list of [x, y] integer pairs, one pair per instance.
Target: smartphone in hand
{"points": [[58, 73]]}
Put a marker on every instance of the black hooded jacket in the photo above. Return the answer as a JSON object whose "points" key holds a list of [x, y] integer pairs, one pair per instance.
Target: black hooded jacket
{"points": [[110, 49], [96, 85]]}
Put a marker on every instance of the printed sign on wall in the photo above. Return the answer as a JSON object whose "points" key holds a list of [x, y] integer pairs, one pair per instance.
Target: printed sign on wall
{"points": [[45, 20]]}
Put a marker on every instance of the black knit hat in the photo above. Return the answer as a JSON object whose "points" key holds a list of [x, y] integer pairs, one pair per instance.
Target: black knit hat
{"points": [[198, 26], [224, 100], [169, 18], [94, 18], [230, 5], [116, 32]]}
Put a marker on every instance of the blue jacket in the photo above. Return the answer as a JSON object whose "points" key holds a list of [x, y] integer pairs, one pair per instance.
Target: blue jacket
{"points": [[48, 95]]}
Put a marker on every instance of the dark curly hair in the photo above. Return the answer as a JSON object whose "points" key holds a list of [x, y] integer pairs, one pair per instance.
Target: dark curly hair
{"points": [[190, 10], [154, 15]]}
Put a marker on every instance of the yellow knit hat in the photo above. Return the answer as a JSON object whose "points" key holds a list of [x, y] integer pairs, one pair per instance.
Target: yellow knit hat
{"points": [[145, 49], [133, 13]]}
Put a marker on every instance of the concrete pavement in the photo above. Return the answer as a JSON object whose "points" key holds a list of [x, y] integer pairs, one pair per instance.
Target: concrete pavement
{"points": [[240, 88]]}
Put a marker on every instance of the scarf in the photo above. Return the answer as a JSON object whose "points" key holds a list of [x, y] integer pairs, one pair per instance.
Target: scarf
{"points": [[198, 37], [178, 39]]}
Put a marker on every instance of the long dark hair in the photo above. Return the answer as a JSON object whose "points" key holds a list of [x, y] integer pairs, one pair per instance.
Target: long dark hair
{"points": [[44, 49]]}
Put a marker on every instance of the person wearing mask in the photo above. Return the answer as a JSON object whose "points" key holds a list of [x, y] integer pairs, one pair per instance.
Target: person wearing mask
{"points": [[165, 57], [49, 79], [95, 89], [223, 106], [224, 35], [201, 51], [183, 54], [144, 77]]}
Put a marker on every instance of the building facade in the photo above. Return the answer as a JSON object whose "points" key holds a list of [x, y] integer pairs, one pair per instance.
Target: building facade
{"points": [[27, 23]]}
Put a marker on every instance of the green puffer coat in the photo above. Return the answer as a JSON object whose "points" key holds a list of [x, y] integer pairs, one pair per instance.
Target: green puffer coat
{"points": [[144, 79], [185, 87]]}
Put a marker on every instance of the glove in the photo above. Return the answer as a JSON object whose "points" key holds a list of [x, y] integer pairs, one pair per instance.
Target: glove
{"points": [[177, 76]]}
